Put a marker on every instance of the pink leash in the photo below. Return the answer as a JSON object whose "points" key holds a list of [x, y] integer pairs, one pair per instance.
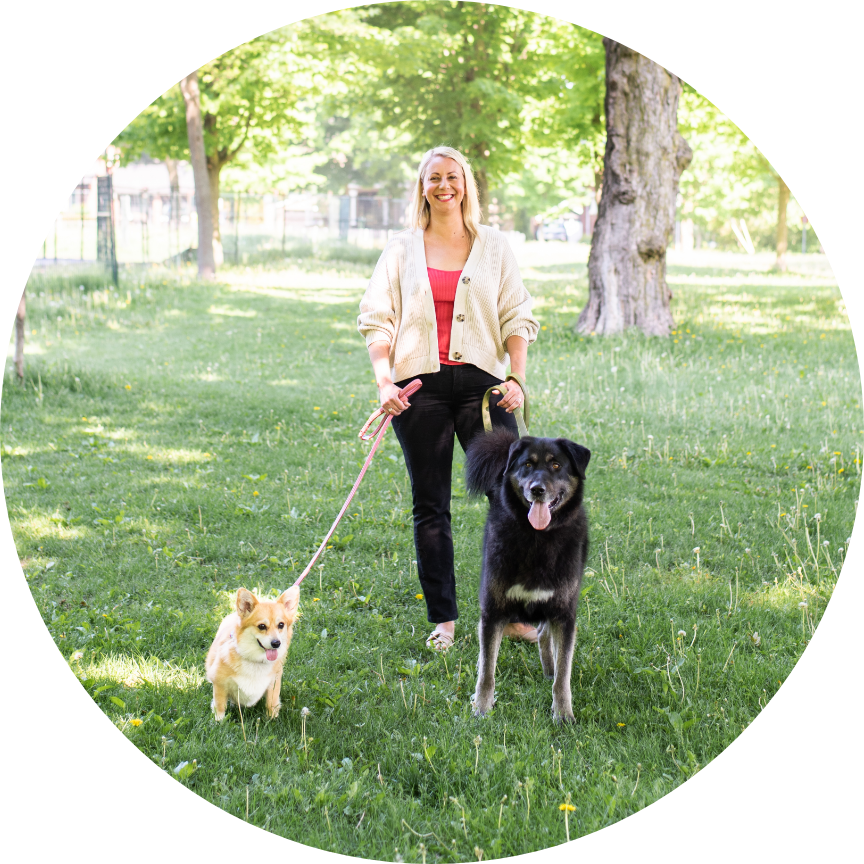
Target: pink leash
{"points": [[377, 433]]}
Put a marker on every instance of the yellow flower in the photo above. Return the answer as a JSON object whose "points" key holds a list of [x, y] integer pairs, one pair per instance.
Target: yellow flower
{"points": [[315, 408], [569, 808], [543, 327], [621, 725], [149, 457], [314, 599], [136, 722], [419, 596], [255, 494], [129, 387]]}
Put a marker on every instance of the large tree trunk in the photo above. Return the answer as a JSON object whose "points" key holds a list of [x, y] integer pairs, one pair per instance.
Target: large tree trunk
{"points": [[782, 236], [482, 179], [19, 336], [195, 131], [645, 155], [213, 169]]}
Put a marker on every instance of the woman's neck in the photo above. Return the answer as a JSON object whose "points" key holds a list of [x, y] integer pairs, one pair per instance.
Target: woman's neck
{"points": [[449, 228]]}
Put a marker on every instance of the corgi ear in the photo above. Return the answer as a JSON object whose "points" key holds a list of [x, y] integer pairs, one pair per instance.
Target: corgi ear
{"points": [[290, 599], [246, 602]]}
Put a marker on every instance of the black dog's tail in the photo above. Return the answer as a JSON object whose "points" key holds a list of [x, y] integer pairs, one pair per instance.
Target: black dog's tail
{"points": [[486, 459]]}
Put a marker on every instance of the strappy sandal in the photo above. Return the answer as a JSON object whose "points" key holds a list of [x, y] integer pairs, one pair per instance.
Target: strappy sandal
{"points": [[439, 641]]}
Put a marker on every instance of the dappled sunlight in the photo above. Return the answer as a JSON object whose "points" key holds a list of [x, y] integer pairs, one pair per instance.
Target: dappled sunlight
{"points": [[292, 279], [134, 672], [231, 312], [285, 382], [44, 525]]}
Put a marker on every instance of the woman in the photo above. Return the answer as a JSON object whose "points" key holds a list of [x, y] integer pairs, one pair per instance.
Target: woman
{"points": [[446, 304]]}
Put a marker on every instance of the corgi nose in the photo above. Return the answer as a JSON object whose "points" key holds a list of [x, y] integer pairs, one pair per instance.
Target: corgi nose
{"points": [[275, 643]]}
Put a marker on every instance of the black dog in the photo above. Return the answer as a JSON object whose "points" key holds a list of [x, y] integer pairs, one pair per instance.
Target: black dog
{"points": [[534, 550]]}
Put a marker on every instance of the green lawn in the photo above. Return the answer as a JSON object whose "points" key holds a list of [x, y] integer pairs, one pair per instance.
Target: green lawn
{"points": [[175, 441]]}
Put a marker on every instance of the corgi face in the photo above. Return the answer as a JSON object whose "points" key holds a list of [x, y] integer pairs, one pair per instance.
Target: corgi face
{"points": [[266, 626]]}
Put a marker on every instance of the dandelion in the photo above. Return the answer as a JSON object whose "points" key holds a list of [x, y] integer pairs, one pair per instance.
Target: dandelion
{"points": [[620, 725], [128, 386], [304, 713], [418, 596], [747, 550], [136, 722], [681, 633], [756, 639], [477, 741], [567, 808], [315, 599], [77, 655], [818, 517], [255, 494]]}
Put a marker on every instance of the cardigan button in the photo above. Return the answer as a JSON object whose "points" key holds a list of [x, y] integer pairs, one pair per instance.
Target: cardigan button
{"points": [[457, 355], [466, 280], [460, 318]]}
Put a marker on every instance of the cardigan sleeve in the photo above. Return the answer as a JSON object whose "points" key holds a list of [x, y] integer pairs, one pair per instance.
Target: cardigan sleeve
{"points": [[377, 319], [514, 301]]}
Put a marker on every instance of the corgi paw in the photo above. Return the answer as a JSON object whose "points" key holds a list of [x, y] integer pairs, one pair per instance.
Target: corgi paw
{"points": [[273, 712]]}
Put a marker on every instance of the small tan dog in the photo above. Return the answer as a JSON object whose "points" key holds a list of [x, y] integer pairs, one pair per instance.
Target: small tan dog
{"points": [[245, 660]]}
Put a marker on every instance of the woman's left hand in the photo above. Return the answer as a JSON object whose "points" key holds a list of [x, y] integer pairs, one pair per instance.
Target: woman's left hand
{"points": [[514, 397]]}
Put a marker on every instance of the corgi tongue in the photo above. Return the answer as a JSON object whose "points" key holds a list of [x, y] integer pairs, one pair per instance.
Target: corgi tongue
{"points": [[271, 653], [539, 515]]}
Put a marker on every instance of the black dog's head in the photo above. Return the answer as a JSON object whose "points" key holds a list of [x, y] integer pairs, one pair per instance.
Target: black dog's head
{"points": [[546, 474]]}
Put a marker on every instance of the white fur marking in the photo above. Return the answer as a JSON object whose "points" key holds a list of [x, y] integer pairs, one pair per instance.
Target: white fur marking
{"points": [[518, 592]]}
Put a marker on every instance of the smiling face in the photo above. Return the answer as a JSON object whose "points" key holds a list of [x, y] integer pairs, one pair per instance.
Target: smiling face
{"points": [[265, 626], [444, 185]]}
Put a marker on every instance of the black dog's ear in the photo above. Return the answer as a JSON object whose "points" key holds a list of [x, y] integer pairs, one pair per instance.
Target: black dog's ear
{"points": [[516, 450], [578, 454]]}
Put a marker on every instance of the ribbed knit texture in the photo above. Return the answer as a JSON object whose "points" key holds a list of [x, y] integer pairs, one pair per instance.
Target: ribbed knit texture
{"points": [[444, 284], [497, 306]]}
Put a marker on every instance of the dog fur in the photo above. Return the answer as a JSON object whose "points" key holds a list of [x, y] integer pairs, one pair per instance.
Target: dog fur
{"points": [[534, 549], [239, 664]]}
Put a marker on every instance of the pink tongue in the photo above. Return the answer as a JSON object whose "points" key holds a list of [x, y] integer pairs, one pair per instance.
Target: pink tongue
{"points": [[539, 515], [271, 653]]}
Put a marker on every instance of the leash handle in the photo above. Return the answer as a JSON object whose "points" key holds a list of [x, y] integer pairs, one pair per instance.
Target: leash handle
{"points": [[522, 416], [377, 434], [408, 390]]}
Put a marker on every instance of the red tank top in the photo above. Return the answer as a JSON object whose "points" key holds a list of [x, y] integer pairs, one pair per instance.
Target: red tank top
{"points": [[444, 284]]}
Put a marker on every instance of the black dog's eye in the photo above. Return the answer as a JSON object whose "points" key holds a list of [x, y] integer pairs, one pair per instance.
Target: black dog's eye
{"points": [[262, 626], [529, 464], [555, 466], [281, 625]]}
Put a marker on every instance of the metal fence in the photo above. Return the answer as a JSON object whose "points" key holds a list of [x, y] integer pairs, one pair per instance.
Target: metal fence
{"points": [[158, 226]]}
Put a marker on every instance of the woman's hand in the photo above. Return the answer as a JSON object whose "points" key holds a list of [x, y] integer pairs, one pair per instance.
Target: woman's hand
{"points": [[514, 397], [388, 393]]}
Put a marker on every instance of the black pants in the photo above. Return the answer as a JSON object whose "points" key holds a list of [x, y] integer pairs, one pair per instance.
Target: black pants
{"points": [[448, 402]]}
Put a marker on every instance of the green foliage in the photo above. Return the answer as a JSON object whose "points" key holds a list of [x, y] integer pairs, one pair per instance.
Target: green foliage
{"points": [[156, 411]]}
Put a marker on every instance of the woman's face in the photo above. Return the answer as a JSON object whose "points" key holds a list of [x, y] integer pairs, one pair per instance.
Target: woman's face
{"points": [[444, 185]]}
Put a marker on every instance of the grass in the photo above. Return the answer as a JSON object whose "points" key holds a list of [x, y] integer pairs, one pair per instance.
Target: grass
{"points": [[174, 441]]}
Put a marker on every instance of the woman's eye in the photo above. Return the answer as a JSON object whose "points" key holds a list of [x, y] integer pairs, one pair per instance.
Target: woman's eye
{"points": [[262, 626]]}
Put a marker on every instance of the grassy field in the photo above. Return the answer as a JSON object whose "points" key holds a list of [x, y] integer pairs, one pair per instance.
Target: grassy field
{"points": [[175, 441]]}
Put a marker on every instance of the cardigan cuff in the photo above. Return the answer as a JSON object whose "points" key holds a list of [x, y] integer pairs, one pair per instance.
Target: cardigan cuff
{"points": [[376, 335], [524, 332]]}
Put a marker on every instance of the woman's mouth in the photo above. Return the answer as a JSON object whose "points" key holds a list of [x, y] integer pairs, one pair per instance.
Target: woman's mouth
{"points": [[446, 197]]}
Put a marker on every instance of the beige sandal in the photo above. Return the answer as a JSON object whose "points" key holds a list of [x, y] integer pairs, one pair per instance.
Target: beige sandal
{"points": [[531, 636], [439, 640]]}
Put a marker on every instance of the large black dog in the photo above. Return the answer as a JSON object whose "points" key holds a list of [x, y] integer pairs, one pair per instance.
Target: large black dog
{"points": [[534, 550]]}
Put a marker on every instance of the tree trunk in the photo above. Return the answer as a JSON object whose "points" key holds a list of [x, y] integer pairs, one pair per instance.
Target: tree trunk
{"points": [[645, 155], [19, 336], [483, 193], [198, 157], [213, 169], [782, 237]]}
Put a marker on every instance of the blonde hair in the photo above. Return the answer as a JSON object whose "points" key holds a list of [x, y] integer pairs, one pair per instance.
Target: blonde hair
{"points": [[419, 212]]}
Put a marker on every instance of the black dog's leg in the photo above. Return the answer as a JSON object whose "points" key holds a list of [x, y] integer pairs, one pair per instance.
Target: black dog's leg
{"points": [[489, 636], [547, 650], [564, 636]]}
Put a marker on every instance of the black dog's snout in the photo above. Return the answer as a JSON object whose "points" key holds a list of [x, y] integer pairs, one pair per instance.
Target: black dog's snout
{"points": [[275, 643], [538, 492]]}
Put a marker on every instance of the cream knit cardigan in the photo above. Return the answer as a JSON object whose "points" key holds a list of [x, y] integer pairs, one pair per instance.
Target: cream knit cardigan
{"points": [[491, 305]]}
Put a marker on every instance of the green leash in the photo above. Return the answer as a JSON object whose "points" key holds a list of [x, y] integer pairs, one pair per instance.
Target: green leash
{"points": [[521, 414]]}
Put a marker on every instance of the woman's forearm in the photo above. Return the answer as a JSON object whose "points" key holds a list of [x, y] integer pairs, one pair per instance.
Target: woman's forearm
{"points": [[517, 348], [379, 355]]}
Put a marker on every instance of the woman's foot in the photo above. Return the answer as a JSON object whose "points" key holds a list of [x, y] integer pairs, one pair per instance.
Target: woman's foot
{"points": [[521, 632], [441, 638]]}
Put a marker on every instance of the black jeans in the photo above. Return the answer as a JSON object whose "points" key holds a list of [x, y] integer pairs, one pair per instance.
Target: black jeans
{"points": [[448, 402]]}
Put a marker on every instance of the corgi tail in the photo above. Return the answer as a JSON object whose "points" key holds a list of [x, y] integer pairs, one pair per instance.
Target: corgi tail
{"points": [[486, 459]]}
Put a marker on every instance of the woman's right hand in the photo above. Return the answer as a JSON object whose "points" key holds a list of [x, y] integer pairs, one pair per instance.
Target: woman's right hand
{"points": [[389, 396]]}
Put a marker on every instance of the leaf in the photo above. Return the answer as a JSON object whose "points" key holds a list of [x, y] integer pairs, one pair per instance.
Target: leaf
{"points": [[117, 701], [324, 633], [186, 769]]}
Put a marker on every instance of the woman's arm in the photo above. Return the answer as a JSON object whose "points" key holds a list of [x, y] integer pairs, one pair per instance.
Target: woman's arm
{"points": [[388, 392], [517, 348]]}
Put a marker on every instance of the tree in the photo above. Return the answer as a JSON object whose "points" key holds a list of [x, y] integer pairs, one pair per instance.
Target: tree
{"points": [[198, 156], [644, 157], [431, 73], [251, 98]]}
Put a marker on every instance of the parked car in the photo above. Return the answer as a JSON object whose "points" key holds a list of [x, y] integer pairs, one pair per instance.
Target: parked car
{"points": [[554, 230]]}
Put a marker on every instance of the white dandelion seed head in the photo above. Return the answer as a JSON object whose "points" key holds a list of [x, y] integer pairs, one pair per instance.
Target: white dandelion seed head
{"points": [[696, 550], [802, 604]]}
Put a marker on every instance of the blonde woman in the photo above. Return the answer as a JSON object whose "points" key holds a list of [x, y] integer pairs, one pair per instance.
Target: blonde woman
{"points": [[445, 304]]}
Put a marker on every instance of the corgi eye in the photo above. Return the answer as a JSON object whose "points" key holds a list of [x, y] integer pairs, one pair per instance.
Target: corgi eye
{"points": [[262, 626], [281, 625]]}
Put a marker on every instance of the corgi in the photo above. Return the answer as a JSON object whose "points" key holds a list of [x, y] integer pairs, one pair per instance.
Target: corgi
{"points": [[245, 660]]}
